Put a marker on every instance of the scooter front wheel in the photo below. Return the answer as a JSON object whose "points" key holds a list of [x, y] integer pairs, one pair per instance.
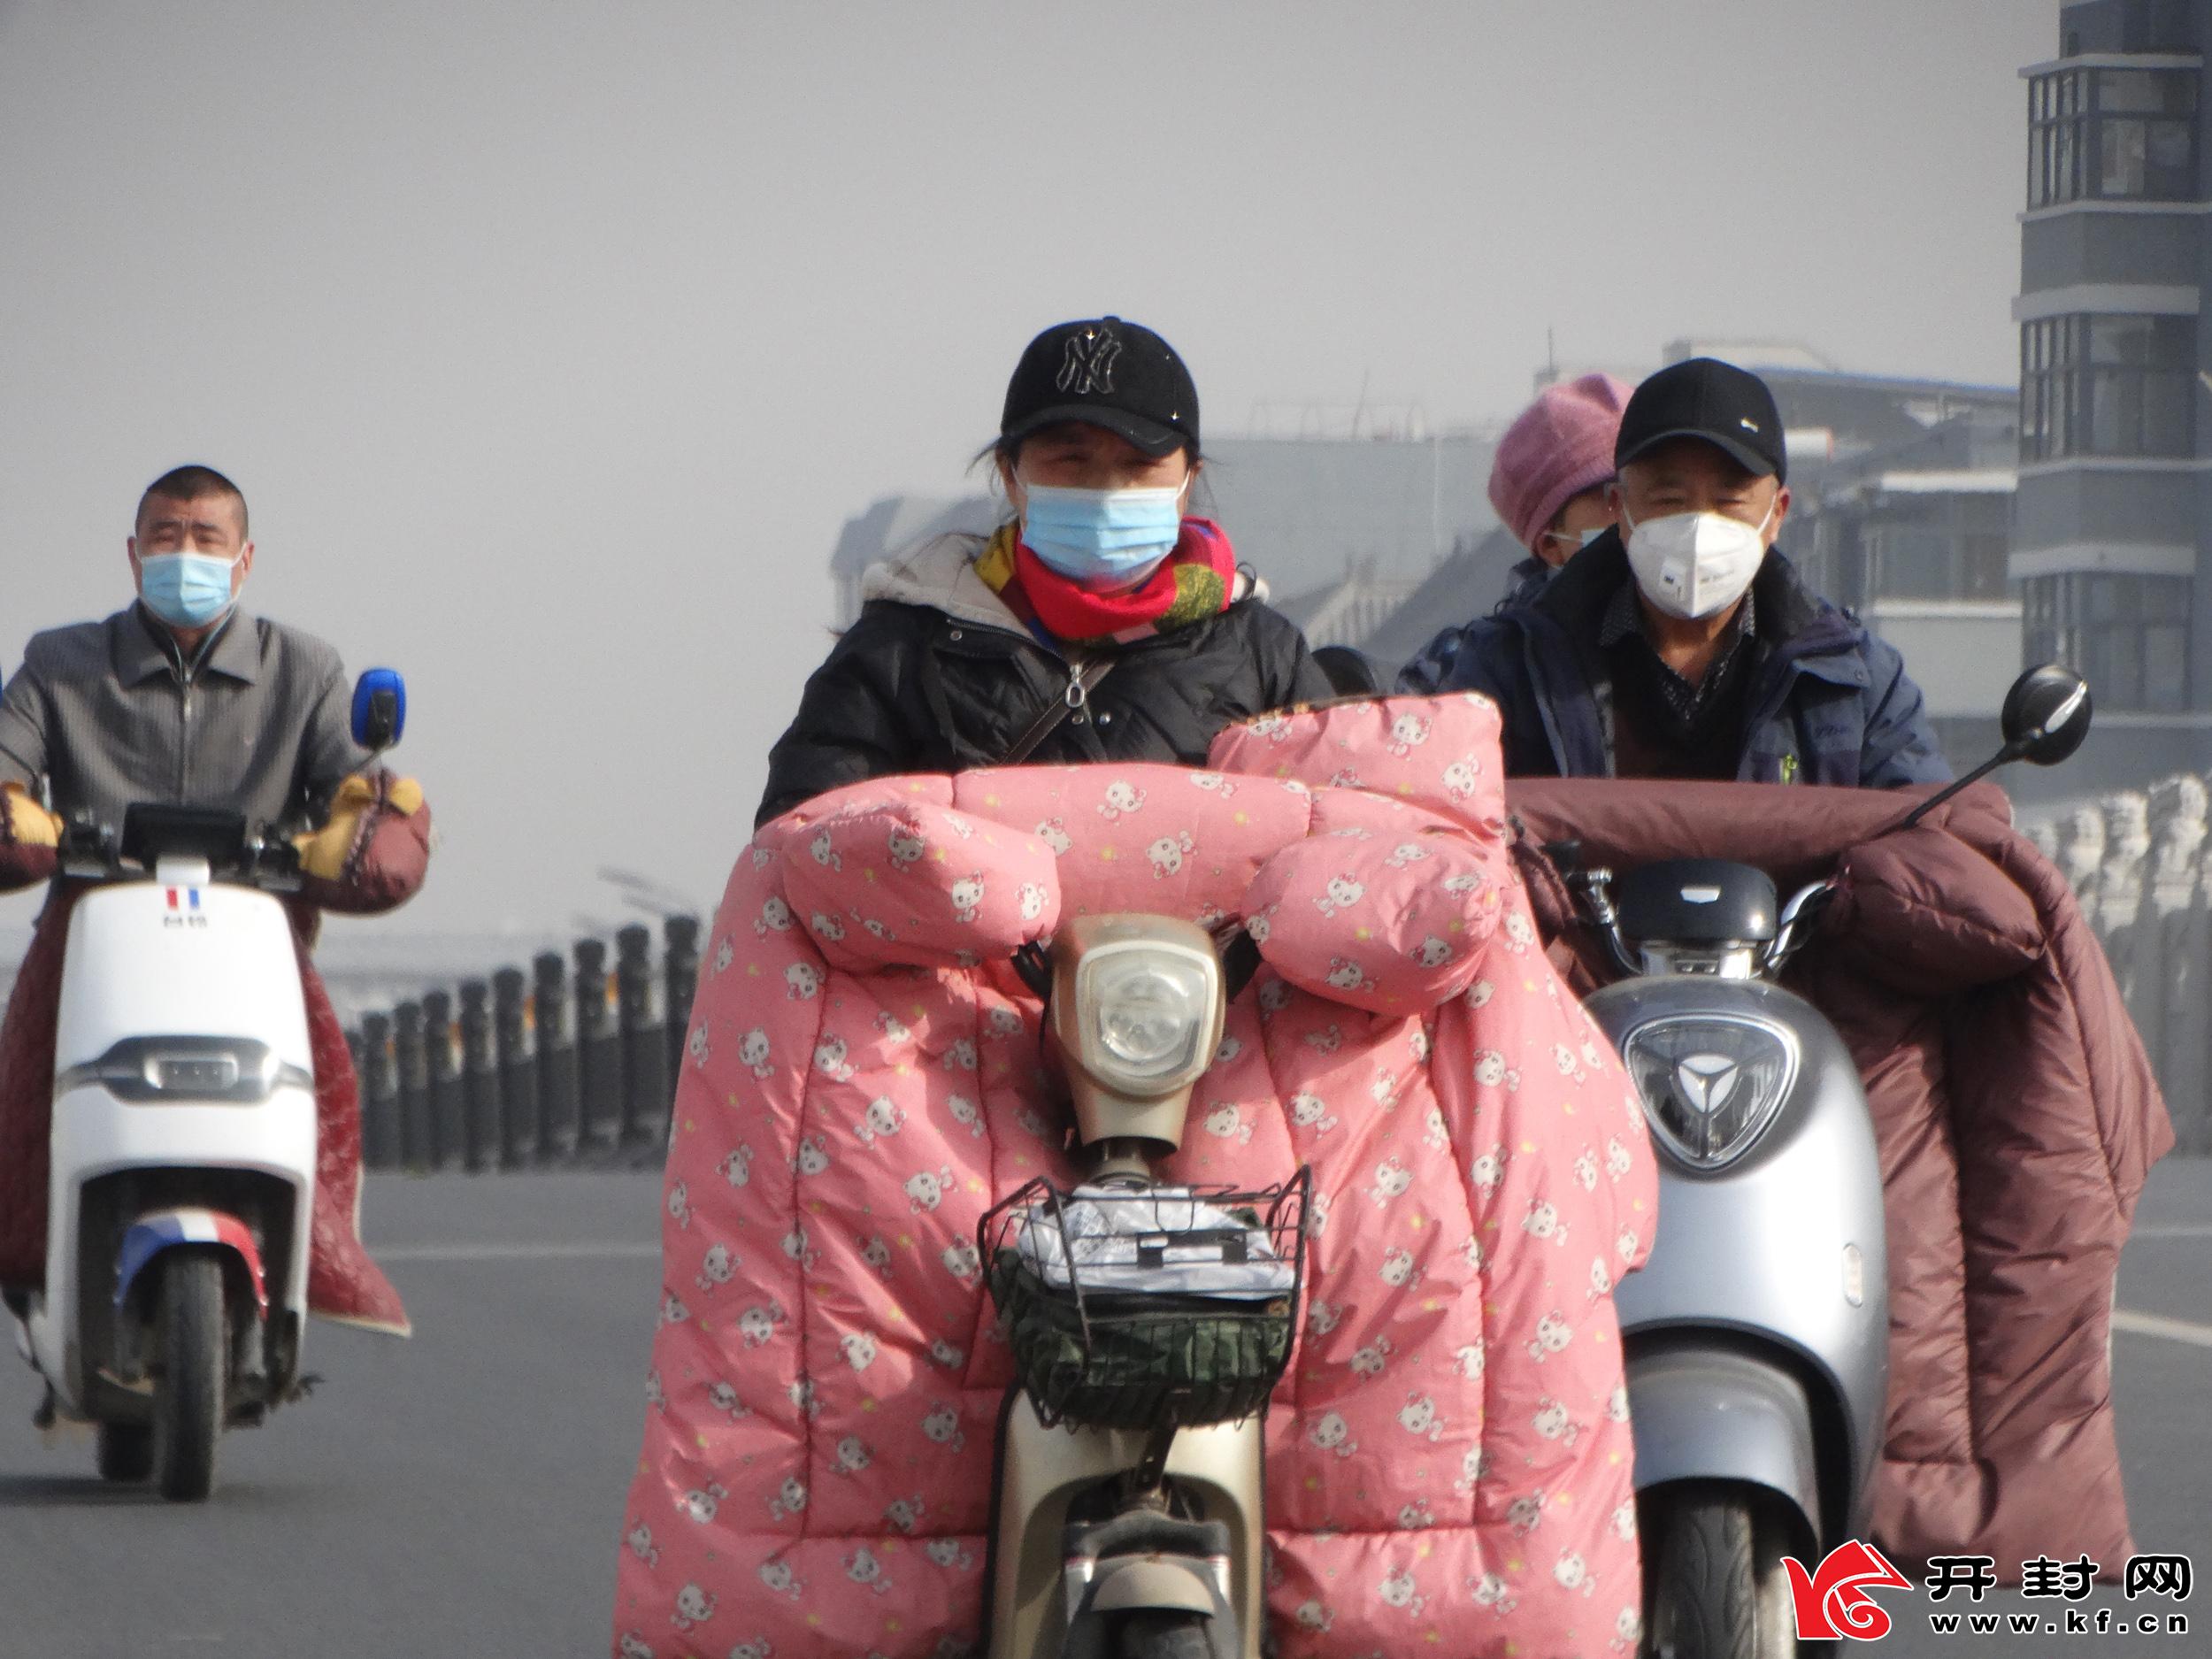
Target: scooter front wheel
{"points": [[1164, 1636], [127, 1452], [188, 1394], [1718, 1590]]}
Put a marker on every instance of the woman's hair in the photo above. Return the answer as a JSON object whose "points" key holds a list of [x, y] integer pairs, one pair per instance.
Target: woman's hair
{"points": [[1009, 451]]}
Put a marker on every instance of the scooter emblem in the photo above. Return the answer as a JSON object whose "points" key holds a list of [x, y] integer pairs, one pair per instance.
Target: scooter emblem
{"points": [[1706, 1081]]}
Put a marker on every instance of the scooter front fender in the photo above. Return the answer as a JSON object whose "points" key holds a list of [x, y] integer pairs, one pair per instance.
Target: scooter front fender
{"points": [[1704, 1413], [1156, 1586], [154, 1234]]}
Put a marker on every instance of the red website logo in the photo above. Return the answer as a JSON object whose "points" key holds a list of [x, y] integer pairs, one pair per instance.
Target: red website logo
{"points": [[1834, 1603]]}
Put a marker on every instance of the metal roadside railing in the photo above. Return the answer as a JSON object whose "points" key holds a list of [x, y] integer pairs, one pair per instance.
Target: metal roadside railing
{"points": [[2139, 861], [574, 1061]]}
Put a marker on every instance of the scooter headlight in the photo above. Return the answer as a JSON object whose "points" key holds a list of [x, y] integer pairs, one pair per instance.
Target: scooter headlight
{"points": [[1710, 1084], [165, 1070], [1144, 1011]]}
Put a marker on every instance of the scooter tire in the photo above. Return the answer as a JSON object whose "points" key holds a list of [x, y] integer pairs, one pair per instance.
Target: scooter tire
{"points": [[1164, 1636], [127, 1452], [1718, 1591], [189, 1394]]}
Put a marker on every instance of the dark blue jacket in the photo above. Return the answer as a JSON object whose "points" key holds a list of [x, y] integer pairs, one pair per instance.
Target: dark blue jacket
{"points": [[1828, 703], [1524, 582]]}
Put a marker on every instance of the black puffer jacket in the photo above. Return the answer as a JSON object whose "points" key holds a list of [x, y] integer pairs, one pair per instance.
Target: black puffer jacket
{"points": [[938, 675]]}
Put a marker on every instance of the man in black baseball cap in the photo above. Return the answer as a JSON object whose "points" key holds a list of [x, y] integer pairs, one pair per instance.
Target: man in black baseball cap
{"points": [[1681, 644], [1727, 407]]}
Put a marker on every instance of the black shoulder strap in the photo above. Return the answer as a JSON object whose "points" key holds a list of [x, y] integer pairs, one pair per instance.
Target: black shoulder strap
{"points": [[1077, 696]]}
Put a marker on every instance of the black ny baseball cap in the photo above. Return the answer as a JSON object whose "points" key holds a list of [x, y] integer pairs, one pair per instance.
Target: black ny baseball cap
{"points": [[1104, 372], [1703, 397]]}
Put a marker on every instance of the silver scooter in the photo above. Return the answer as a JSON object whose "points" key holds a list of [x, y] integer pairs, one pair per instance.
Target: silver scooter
{"points": [[1756, 1337]]}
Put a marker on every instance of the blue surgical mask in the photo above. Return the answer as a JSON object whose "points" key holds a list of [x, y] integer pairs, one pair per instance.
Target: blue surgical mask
{"points": [[1102, 537], [185, 590], [1575, 542]]}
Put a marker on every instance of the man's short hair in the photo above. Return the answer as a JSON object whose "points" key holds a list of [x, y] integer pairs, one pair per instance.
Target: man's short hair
{"points": [[192, 483]]}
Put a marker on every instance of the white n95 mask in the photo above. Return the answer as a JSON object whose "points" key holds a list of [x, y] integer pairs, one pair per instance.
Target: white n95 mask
{"points": [[1691, 564]]}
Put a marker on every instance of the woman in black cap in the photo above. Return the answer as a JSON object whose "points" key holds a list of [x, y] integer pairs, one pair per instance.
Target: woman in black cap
{"points": [[1101, 623]]}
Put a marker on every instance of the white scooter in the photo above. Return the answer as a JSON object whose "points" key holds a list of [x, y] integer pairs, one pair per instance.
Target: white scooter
{"points": [[184, 1135]]}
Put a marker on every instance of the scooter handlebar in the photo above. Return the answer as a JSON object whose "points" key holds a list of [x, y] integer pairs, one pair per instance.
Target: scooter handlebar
{"points": [[1593, 888], [1798, 918], [91, 850], [87, 847]]}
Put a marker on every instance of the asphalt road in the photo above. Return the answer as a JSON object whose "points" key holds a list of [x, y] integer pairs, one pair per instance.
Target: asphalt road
{"points": [[461, 1494], [458, 1494]]}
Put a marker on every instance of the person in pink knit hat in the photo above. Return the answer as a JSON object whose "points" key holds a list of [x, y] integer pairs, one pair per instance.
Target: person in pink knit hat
{"points": [[1548, 482]]}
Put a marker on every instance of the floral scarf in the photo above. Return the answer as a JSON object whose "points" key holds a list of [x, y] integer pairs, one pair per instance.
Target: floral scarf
{"points": [[1197, 581]]}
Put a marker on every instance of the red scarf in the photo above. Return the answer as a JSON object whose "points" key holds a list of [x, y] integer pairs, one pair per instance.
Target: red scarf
{"points": [[1197, 581]]}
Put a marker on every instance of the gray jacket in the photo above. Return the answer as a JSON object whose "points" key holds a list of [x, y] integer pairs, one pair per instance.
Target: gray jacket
{"points": [[107, 713]]}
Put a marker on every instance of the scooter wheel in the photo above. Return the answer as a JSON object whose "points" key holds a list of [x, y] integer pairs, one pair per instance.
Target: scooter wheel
{"points": [[1718, 1590], [1164, 1636], [127, 1452], [189, 1394]]}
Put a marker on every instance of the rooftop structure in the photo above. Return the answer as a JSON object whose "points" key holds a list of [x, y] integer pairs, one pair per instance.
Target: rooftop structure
{"points": [[893, 524]]}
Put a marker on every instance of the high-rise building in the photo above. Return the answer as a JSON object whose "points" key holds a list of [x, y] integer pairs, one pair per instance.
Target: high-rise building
{"points": [[2114, 496]]}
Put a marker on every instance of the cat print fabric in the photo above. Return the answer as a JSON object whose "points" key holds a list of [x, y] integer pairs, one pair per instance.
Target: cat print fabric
{"points": [[1449, 1456]]}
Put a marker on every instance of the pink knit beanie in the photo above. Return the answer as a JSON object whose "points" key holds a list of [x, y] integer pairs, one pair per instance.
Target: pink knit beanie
{"points": [[1561, 445]]}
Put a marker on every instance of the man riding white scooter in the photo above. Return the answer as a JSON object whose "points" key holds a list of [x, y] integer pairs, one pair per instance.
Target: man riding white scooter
{"points": [[181, 702]]}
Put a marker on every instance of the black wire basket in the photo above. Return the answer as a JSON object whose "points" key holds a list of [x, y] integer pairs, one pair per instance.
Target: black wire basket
{"points": [[1139, 1307]]}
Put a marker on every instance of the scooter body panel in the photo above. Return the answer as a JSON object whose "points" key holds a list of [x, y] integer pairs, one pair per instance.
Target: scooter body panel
{"points": [[214, 966], [1042, 1470], [1786, 1244], [148, 959]]}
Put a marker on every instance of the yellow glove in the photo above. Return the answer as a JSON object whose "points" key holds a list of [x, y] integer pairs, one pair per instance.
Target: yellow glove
{"points": [[28, 824], [326, 852]]}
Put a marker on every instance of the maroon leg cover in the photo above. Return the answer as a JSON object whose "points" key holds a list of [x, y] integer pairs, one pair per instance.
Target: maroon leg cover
{"points": [[342, 1283], [26, 1089]]}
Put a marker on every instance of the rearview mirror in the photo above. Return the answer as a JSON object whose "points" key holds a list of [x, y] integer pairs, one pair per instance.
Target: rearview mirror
{"points": [[379, 709], [2044, 717], [2046, 714]]}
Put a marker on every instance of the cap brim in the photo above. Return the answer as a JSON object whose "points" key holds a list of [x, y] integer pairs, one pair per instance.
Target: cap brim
{"points": [[1743, 454], [1148, 435]]}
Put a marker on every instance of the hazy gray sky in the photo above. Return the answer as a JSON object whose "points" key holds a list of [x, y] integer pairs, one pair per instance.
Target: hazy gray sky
{"points": [[552, 343]]}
